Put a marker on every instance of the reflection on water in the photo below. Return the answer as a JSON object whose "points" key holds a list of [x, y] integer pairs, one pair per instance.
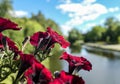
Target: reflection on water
{"points": [[105, 53], [105, 70], [75, 48]]}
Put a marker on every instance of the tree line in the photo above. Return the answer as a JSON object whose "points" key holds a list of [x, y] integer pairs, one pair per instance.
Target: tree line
{"points": [[108, 32]]}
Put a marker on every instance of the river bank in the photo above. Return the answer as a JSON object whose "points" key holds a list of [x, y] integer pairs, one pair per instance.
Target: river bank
{"points": [[110, 47], [110, 51]]}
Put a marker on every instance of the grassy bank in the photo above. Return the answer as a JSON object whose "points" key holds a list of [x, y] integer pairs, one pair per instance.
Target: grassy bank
{"points": [[113, 47]]}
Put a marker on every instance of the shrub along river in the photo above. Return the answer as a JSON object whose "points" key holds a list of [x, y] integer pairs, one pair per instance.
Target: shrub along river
{"points": [[105, 66]]}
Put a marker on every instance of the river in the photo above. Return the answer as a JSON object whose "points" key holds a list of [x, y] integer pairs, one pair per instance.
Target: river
{"points": [[104, 70]]}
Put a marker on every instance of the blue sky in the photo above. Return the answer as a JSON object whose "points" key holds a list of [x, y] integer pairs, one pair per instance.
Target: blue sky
{"points": [[80, 14]]}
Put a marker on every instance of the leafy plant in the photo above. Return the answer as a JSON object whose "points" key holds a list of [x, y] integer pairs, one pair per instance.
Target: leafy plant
{"points": [[28, 68]]}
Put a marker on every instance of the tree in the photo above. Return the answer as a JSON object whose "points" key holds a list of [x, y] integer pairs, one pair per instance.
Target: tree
{"points": [[95, 34], [5, 7], [112, 28], [53, 24], [74, 35], [40, 18], [75, 38]]}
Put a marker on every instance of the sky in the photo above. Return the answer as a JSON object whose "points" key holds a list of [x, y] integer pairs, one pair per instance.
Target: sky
{"points": [[69, 14]]}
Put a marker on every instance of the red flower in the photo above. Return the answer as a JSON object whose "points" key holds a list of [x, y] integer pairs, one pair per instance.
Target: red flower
{"points": [[56, 38], [1, 44], [38, 74], [40, 39], [7, 42], [65, 78], [26, 61], [7, 24], [47, 39], [76, 63], [11, 44]]}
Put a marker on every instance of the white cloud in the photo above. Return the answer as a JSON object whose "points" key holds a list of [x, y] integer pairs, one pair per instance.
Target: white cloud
{"points": [[82, 12], [88, 1], [18, 13], [114, 9], [65, 29], [87, 10]]}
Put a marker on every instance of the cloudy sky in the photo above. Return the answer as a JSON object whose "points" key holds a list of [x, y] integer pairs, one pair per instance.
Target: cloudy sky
{"points": [[80, 14]]}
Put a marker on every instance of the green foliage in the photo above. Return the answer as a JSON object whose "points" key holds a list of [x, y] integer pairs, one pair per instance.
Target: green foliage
{"points": [[118, 39], [76, 47], [53, 63], [7, 65], [95, 34], [112, 29], [74, 35], [5, 7], [31, 27], [75, 38], [40, 18], [108, 33]]}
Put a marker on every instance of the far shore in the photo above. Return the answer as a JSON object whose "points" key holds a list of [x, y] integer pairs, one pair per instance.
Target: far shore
{"points": [[113, 47]]}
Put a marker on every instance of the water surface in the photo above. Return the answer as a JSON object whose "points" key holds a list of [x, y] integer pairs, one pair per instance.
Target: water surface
{"points": [[104, 70]]}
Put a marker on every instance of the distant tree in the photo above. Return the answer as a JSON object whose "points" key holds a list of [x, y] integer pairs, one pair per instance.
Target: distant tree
{"points": [[31, 27], [95, 34], [112, 28], [5, 7], [54, 25], [111, 23], [40, 18], [75, 38], [118, 34], [74, 35]]}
